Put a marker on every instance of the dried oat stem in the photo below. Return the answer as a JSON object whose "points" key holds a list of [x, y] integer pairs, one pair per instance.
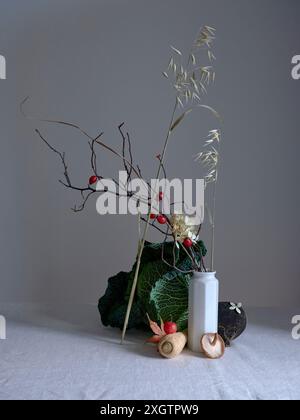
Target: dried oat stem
{"points": [[187, 89], [141, 244], [212, 263]]}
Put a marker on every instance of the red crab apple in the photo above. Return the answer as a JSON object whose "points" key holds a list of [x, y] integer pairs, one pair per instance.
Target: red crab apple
{"points": [[188, 243], [93, 179], [153, 216], [170, 327], [160, 196], [161, 219]]}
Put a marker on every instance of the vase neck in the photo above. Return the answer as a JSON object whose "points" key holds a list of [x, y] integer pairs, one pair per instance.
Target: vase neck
{"points": [[204, 275]]}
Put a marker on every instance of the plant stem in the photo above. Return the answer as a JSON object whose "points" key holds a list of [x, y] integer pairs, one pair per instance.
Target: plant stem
{"points": [[213, 225], [143, 240], [141, 245]]}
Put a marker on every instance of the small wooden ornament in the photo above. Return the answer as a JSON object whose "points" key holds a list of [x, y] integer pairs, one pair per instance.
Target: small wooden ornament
{"points": [[172, 345], [213, 346]]}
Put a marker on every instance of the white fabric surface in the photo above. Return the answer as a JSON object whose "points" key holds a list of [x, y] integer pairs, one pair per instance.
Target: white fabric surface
{"points": [[64, 353]]}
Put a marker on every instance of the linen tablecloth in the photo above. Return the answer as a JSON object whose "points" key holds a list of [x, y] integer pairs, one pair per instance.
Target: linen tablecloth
{"points": [[54, 352]]}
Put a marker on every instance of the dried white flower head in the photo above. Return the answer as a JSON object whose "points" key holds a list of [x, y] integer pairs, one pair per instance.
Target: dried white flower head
{"points": [[184, 227]]}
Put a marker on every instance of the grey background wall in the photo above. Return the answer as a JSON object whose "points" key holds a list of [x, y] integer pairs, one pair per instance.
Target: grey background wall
{"points": [[98, 63]]}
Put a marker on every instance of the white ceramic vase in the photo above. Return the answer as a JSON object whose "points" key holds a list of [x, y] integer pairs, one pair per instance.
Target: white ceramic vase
{"points": [[203, 308]]}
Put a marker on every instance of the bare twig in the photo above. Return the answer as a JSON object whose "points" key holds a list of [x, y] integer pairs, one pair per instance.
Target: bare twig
{"points": [[89, 190], [156, 227], [127, 169], [61, 155], [83, 132]]}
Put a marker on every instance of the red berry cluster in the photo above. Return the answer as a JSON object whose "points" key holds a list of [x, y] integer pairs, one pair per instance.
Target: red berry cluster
{"points": [[162, 220]]}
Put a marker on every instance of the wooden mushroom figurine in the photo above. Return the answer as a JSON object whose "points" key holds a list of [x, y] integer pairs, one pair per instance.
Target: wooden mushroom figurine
{"points": [[171, 345], [213, 346]]}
